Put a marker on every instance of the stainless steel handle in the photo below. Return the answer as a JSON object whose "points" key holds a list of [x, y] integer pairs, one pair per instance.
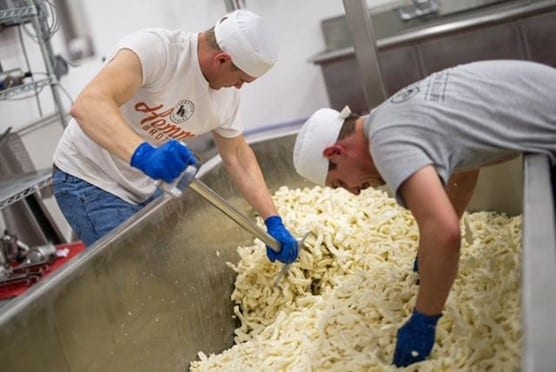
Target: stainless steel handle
{"points": [[181, 183], [187, 179], [216, 200]]}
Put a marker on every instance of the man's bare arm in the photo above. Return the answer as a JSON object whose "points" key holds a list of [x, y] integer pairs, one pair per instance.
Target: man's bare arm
{"points": [[97, 108], [460, 189], [439, 240], [246, 174]]}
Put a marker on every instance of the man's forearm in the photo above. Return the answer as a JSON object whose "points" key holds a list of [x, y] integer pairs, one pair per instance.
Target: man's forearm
{"points": [[103, 122], [438, 266], [249, 179], [254, 190], [97, 108]]}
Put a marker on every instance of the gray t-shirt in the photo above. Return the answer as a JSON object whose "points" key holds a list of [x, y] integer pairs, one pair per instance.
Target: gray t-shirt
{"points": [[463, 118]]}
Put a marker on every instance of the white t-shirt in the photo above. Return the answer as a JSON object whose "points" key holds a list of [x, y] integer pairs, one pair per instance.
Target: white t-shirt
{"points": [[173, 102], [463, 118]]}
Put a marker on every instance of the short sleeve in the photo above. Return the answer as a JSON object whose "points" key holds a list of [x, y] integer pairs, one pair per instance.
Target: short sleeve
{"points": [[396, 160], [151, 50], [232, 125]]}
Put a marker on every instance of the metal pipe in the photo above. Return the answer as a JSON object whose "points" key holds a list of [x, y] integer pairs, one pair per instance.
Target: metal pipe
{"points": [[75, 27], [538, 266], [366, 52], [48, 57], [220, 203], [232, 5]]}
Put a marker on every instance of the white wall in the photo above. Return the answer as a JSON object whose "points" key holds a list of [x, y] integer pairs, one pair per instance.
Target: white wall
{"points": [[291, 91]]}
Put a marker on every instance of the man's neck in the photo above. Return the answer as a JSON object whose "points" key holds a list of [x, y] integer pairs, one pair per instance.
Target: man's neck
{"points": [[203, 54], [364, 145]]}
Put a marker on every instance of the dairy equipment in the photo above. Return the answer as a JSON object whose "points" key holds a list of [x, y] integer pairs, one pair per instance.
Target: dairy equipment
{"points": [[409, 50], [188, 180], [20, 263], [422, 8], [157, 290]]}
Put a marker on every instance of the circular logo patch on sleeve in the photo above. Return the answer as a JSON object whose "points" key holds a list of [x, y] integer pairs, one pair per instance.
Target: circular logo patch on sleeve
{"points": [[405, 94]]}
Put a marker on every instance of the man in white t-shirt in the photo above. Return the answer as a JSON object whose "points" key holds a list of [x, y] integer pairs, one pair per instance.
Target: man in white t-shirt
{"points": [[427, 143], [158, 88]]}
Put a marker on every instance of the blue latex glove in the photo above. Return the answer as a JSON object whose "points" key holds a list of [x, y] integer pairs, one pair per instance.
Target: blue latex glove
{"points": [[289, 249], [166, 162], [415, 339]]}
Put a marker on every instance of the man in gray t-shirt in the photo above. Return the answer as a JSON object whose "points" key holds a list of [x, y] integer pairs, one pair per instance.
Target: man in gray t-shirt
{"points": [[427, 143]]}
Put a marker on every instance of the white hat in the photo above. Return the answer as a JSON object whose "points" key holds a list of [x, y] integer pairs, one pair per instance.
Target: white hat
{"points": [[320, 131], [244, 37]]}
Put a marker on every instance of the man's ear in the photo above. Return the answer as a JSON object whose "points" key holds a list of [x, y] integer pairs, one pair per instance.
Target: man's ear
{"points": [[222, 58], [330, 151]]}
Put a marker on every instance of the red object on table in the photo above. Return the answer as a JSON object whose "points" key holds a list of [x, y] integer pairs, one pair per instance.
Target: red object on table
{"points": [[17, 289]]}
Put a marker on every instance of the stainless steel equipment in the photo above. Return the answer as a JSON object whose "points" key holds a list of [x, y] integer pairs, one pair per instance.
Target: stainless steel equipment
{"points": [[249, 225], [410, 50], [419, 8], [21, 206], [365, 51], [157, 290], [76, 30], [423, 8], [188, 181], [20, 263]]}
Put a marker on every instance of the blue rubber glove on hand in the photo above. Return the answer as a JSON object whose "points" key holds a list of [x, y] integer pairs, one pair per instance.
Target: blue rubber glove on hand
{"points": [[415, 339], [166, 162], [289, 249]]}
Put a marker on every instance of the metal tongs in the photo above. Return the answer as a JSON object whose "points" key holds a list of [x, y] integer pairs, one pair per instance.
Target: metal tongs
{"points": [[187, 180]]}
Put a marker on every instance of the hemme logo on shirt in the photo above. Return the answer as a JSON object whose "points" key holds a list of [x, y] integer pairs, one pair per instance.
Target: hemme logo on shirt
{"points": [[163, 124], [183, 111]]}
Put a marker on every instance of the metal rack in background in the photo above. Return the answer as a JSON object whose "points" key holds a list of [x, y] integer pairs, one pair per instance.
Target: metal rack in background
{"points": [[24, 88], [22, 186], [20, 12], [16, 12], [21, 190]]}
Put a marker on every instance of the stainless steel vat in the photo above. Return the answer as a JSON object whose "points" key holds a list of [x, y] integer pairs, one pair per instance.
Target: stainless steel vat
{"points": [[155, 292], [408, 51]]}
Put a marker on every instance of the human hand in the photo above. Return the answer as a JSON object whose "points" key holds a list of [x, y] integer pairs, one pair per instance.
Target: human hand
{"points": [[288, 245], [166, 162], [415, 339]]}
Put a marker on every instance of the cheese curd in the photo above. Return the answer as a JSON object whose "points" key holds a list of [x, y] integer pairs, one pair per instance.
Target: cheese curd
{"points": [[340, 305]]}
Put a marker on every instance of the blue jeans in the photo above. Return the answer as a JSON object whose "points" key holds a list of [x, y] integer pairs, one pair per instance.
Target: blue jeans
{"points": [[91, 211]]}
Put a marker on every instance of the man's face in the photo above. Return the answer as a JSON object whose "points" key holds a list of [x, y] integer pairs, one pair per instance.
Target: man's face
{"points": [[352, 174], [228, 75]]}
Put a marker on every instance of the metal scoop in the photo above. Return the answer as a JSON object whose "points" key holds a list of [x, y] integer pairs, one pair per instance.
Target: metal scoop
{"points": [[187, 179]]}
